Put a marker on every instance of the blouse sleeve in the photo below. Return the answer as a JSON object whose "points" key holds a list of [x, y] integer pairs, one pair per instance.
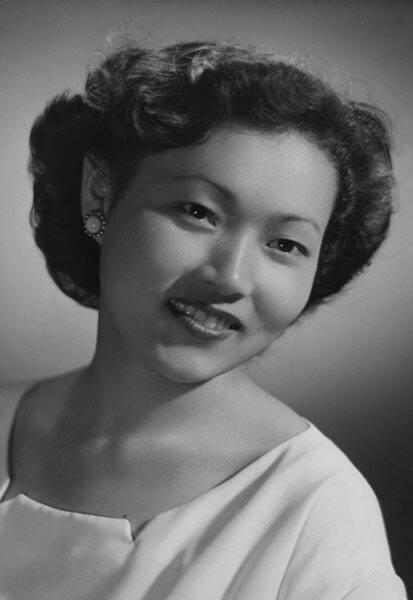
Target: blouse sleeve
{"points": [[342, 552]]}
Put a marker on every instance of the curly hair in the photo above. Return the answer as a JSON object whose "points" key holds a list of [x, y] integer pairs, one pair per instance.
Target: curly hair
{"points": [[141, 101]]}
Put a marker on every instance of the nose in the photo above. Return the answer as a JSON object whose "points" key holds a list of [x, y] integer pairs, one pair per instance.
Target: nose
{"points": [[229, 268]]}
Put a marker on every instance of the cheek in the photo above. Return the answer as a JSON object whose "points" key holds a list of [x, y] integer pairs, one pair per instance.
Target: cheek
{"points": [[284, 297], [151, 253]]}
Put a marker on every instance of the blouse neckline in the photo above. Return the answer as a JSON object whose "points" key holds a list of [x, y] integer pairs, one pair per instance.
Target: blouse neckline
{"points": [[123, 522]]}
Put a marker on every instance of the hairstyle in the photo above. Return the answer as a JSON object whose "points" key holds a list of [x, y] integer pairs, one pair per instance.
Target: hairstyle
{"points": [[141, 101]]}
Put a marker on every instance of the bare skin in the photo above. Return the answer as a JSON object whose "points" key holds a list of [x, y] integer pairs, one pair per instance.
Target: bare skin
{"points": [[162, 415], [63, 459]]}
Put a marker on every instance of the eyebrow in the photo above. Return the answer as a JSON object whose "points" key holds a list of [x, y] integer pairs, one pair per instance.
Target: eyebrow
{"points": [[291, 218], [284, 218], [224, 190]]}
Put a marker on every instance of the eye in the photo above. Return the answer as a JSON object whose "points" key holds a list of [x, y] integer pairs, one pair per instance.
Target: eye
{"points": [[286, 246], [199, 213]]}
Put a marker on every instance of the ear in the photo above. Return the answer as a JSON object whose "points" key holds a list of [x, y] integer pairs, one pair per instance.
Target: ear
{"points": [[94, 191]]}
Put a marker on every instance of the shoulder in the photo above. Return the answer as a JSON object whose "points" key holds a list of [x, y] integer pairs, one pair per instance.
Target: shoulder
{"points": [[338, 499], [320, 462], [263, 420], [40, 407], [28, 411], [11, 396], [10, 399], [341, 544]]}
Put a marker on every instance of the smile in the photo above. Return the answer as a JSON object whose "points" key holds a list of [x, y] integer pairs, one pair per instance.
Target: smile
{"points": [[202, 320]]}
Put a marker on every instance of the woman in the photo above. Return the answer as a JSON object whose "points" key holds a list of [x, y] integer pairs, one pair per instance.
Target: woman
{"points": [[203, 197]]}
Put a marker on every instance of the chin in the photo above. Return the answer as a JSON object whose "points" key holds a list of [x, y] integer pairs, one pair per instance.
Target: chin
{"points": [[190, 369]]}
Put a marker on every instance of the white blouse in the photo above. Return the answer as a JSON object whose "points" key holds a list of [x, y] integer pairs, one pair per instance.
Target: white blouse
{"points": [[298, 523]]}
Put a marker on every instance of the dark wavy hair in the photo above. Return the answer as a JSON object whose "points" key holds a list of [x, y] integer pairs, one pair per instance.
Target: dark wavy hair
{"points": [[141, 101]]}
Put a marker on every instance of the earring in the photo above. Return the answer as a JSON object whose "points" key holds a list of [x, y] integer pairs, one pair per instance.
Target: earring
{"points": [[94, 223]]}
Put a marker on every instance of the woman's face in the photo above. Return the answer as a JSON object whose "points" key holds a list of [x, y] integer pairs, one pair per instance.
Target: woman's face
{"points": [[211, 252]]}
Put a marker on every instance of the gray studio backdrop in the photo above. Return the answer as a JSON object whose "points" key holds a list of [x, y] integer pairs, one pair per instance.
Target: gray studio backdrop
{"points": [[348, 368]]}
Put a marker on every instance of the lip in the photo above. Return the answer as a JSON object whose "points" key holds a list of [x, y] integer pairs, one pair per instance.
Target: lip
{"points": [[198, 329]]}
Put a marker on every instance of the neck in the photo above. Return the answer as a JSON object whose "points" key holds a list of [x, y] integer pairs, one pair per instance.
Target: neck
{"points": [[124, 396]]}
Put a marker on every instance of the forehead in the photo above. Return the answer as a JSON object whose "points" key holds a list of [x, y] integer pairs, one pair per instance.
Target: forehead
{"points": [[287, 170]]}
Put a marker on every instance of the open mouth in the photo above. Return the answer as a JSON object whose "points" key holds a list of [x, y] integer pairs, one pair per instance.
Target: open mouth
{"points": [[203, 320]]}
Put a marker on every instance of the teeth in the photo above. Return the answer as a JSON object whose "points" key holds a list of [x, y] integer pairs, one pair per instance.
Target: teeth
{"points": [[200, 315], [209, 321], [222, 324], [185, 308]]}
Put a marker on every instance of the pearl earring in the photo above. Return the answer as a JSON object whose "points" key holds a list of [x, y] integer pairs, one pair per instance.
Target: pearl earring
{"points": [[94, 223]]}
